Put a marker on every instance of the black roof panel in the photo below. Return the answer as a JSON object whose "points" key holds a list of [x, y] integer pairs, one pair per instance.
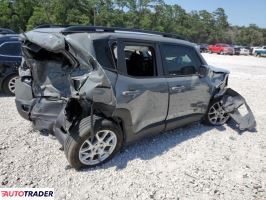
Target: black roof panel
{"points": [[4, 31]]}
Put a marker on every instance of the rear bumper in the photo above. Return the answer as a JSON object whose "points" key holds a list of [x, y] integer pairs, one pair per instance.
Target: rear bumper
{"points": [[43, 115], [24, 99], [59, 128], [24, 108], [46, 122], [43, 112], [60, 136]]}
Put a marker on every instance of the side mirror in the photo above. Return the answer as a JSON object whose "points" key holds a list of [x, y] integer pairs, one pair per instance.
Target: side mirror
{"points": [[203, 71]]}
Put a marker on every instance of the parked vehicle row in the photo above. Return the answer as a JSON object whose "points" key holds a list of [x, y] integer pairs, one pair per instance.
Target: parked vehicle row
{"points": [[223, 49], [226, 49]]}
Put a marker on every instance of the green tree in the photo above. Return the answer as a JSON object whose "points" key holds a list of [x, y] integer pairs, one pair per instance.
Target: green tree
{"points": [[15, 14], [197, 26]]}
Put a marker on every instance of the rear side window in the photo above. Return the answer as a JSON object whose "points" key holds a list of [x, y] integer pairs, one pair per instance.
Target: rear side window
{"points": [[180, 60], [103, 53], [10, 49], [140, 60]]}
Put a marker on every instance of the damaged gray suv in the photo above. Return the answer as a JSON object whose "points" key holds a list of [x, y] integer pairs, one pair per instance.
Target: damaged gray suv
{"points": [[97, 89]]}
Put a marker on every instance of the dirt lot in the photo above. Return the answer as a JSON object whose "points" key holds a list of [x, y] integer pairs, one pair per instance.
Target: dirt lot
{"points": [[196, 162]]}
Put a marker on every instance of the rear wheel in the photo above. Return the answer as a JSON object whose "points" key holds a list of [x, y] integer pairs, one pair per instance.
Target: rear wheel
{"points": [[9, 84], [216, 115], [83, 151]]}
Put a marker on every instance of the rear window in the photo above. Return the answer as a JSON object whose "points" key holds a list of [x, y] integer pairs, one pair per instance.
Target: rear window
{"points": [[103, 54], [10, 49], [140, 60]]}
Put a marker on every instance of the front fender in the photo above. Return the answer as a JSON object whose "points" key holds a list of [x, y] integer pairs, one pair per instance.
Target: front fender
{"points": [[238, 109]]}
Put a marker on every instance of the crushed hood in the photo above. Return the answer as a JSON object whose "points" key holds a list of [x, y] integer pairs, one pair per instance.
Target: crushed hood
{"points": [[218, 70]]}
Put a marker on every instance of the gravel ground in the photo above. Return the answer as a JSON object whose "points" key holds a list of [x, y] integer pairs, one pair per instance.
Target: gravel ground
{"points": [[195, 162]]}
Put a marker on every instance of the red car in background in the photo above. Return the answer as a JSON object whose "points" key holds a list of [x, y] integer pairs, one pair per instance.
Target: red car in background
{"points": [[221, 49]]}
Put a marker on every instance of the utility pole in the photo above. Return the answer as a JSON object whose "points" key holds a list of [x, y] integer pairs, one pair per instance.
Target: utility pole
{"points": [[94, 16], [140, 5]]}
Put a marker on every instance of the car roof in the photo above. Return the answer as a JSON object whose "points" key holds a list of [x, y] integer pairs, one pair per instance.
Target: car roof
{"points": [[132, 35], [223, 44], [9, 37], [4, 31], [142, 37]]}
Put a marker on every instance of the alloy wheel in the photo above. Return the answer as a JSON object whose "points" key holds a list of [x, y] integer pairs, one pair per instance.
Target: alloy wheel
{"points": [[217, 115], [12, 84], [96, 150]]}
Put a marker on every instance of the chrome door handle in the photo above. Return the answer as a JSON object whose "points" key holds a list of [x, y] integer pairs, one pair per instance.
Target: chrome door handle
{"points": [[178, 88], [131, 92]]}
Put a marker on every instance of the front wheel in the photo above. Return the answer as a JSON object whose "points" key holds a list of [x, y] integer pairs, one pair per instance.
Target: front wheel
{"points": [[216, 115], [82, 151]]}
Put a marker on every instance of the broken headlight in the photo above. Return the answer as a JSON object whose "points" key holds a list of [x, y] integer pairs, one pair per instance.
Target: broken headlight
{"points": [[217, 78]]}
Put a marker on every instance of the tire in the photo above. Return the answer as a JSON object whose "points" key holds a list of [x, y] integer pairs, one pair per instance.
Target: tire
{"points": [[219, 114], [9, 84], [77, 142]]}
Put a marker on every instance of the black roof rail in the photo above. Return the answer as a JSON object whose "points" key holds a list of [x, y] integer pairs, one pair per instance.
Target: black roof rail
{"points": [[52, 26], [92, 29]]}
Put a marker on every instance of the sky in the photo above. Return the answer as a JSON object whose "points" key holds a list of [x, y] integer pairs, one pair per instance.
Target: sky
{"points": [[239, 12]]}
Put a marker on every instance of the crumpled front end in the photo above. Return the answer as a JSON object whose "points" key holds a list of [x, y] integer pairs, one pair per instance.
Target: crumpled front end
{"points": [[237, 108], [59, 75], [233, 103]]}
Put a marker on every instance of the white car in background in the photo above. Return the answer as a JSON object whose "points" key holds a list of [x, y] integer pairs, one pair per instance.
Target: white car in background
{"points": [[244, 51]]}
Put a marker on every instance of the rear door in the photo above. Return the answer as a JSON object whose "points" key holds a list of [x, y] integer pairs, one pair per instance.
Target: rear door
{"points": [[189, 94], [141, 89]]}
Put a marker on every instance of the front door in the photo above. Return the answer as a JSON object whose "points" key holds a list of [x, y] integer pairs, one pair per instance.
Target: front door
{"points": [[189, 93]]}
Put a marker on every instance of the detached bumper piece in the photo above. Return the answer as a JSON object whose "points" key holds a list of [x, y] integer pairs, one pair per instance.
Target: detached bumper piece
{"points": [[237, 108]]}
